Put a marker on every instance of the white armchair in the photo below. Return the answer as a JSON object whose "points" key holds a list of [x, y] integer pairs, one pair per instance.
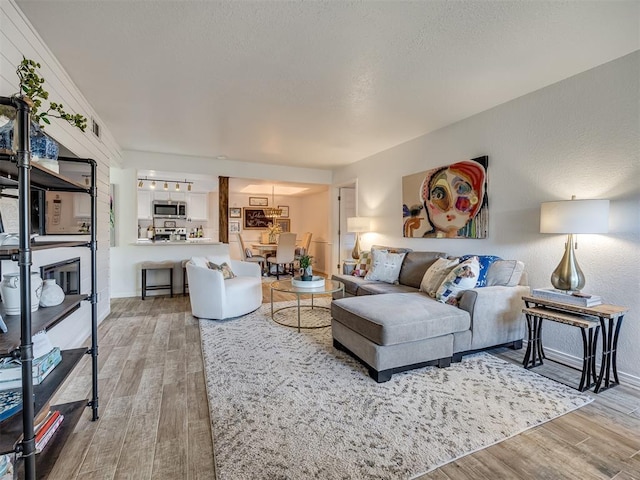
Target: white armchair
{"points": [[214, 298]]}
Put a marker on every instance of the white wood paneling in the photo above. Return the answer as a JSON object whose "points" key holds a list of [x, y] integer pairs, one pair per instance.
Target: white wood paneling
{"points": [[18, 38]]}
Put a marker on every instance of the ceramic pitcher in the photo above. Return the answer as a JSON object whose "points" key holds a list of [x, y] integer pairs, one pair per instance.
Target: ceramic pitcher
{"points": [[10, 291]]}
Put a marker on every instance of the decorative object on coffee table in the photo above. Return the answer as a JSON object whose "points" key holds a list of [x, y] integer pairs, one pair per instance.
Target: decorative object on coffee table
{"points": [[306, 271], [572, 217]]}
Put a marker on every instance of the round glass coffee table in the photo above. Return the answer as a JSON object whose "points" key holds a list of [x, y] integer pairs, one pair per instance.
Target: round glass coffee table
{"points": [[285, 286]]}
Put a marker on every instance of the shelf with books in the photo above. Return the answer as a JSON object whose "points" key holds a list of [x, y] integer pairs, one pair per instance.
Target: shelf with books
{"points": [[11, 428]]}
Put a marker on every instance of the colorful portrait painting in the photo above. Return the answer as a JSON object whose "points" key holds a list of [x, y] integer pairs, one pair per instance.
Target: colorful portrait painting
{"points": [[447, 202]]}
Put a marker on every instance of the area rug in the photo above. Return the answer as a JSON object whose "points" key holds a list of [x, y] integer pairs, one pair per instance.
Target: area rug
{"points": [[287, 405]]}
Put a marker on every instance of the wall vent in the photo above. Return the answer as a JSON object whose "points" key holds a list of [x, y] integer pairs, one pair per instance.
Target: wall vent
{"points": [[95, 127]]}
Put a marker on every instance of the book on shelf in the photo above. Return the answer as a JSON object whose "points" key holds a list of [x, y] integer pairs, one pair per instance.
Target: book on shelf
{"points": [[11, 372], [579, 299], [10, 403], [46, 431]]}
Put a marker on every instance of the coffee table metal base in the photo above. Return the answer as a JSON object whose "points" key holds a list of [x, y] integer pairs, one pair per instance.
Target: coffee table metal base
{"points": [[330, 286]]}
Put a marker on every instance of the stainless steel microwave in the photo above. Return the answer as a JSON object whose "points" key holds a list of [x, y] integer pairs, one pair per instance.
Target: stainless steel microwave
{"points": [[168, 209]]}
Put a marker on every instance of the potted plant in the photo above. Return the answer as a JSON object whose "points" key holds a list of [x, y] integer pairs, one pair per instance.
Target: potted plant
{"points": [[31, 90], [306, 272]]}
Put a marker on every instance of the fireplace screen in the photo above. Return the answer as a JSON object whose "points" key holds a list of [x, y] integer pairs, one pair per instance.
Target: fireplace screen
{"points": [[66, 274]]}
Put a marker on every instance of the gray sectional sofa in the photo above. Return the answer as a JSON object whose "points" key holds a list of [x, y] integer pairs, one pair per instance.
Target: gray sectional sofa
{"points": [[395, 327]]}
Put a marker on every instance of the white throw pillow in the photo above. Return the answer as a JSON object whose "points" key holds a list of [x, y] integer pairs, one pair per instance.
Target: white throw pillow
{"points": [[385, 266], [463, 276], [435, 274]]}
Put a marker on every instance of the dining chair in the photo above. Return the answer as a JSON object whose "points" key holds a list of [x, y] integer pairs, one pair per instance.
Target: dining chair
{"points": [[247, 254], [285, 254]]}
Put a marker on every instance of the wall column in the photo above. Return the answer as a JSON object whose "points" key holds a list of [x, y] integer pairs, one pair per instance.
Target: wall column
{"points": [[223, 209]]}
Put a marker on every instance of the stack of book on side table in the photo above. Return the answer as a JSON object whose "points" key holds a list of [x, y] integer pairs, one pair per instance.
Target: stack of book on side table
{"points": [[572, 298]]}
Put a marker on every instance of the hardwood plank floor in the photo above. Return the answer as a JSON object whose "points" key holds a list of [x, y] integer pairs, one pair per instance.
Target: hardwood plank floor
{"points": [[154, 419]]}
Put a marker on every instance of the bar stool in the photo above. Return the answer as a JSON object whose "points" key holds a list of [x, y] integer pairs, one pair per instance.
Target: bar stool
{"points": [[168, 265], [185, 282]]}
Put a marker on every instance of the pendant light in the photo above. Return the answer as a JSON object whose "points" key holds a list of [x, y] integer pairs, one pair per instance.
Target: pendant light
{"points": [[272, 212]]}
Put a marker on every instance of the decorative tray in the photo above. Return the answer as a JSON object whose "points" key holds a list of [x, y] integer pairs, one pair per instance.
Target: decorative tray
{"points": [[315, 282]]}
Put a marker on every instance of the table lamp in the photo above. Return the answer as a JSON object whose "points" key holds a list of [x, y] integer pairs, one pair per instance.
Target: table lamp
{"points": [[358, 225], [572, 217]]}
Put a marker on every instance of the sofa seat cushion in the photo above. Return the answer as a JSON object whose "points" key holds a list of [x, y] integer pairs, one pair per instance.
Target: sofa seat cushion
{"points": [[376, 288], [399, 317], [351, 283]]}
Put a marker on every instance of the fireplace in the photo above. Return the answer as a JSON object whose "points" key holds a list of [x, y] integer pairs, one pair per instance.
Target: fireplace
{"points": [[65, 273]]}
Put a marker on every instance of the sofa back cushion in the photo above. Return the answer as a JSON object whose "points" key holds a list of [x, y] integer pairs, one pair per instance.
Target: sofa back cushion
{"points": [[435, 275], [506, 273], [415, 265]]}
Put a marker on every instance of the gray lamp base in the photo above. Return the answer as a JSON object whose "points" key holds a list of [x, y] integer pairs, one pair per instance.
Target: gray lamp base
{"points": [[568, 275]]}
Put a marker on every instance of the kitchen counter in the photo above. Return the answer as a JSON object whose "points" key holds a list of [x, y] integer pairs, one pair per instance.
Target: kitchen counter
{"points": [[191, 241]]}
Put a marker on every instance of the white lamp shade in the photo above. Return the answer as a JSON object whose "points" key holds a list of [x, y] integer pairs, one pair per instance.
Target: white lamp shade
{"points": [[358, 224], [575, 216]]}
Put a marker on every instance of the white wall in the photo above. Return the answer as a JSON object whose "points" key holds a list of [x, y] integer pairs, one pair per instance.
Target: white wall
{"points": [[124, 258], [18, 38], [577, 137]]}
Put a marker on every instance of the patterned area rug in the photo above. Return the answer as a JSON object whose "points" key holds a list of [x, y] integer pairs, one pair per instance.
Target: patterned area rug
{"points": [[287, 405]]}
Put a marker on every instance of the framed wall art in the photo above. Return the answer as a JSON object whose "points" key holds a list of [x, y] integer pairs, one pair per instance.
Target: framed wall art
{"points": [[255, 219], [449, 201], [285, 224], [234, 226], [235, 212], [258, 201], [285, 210]]}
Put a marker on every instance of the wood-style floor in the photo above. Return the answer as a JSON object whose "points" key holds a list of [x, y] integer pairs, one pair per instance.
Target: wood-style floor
{"points": [[154, 419]]}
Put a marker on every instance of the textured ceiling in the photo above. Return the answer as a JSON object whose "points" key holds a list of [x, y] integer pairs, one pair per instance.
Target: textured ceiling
{"points": [[318, 83]]}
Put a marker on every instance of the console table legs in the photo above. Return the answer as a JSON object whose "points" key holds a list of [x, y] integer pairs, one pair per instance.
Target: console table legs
{"points": [[534, 354], [610, 331], [589, 343]]}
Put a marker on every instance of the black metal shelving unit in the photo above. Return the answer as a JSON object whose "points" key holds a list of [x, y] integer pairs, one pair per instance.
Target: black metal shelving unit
{"points": [[17, 432]]}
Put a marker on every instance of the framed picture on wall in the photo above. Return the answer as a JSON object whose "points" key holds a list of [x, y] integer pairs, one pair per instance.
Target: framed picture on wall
{"points": [[235, 212], [255, 219], [234, 226], [258, 201], [285, 211], [285, 224]]}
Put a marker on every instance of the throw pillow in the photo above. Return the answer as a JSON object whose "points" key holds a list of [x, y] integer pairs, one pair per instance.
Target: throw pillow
{"points": [[463, 277], [485, 263], [363, 265], [248, 253], [506, 273], [435, 274], [223, 268], [385, 266]]}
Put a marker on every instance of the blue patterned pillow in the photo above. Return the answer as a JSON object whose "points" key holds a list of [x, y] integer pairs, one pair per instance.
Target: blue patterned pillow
{"points": [[485, 262]]}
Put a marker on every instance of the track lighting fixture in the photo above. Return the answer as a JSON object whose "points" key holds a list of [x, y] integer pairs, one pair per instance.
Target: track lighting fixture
{"points": [[165, 183]]}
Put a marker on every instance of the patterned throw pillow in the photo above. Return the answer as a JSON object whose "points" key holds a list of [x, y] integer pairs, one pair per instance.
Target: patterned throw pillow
{"points": [[435, 274], [248, 253], [385, 266], [223, 268], [363, 265], [485, 263], [463, 277]]}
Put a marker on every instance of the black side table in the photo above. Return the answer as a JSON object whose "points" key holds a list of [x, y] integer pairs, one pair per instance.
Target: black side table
{"points": [[610, 319]]}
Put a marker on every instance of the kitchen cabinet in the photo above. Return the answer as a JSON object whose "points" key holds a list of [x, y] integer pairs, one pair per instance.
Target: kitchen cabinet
{"points": [[197, 208], [144, 205], [81, 205], [172, 196]]}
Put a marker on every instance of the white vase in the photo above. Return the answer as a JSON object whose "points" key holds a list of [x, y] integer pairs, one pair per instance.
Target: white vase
{"points": [[10, 292], [52, 293]]}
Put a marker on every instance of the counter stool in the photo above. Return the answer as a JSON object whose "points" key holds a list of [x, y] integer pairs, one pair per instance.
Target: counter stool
{"points": [[185, 280], [168, 265]]}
